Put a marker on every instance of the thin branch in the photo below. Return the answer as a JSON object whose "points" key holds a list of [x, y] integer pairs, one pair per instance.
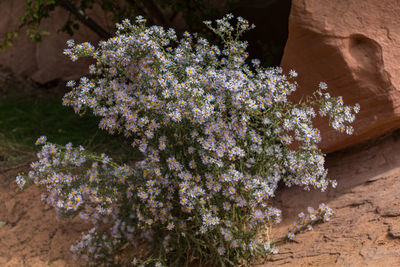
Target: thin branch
{"points": [[141, 11], [173, 16], [137, 6], [84, 18], [156, 12], [14, 167]]}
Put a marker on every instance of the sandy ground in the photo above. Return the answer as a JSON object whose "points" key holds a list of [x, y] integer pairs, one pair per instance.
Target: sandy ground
{"points": [[32, 235], [364, 232]]}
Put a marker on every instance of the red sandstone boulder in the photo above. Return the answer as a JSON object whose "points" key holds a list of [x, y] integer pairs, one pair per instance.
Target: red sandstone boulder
{"points": [[354, 46], [43, 62]]}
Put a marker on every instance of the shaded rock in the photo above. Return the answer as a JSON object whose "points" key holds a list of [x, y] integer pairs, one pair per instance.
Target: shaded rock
{"points": [[44, 62], [268, 39], [354, 47]]}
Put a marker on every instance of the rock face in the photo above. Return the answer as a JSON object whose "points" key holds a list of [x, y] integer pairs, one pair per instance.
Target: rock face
{"points": [[354, 46], [43, 62], [365, 230]]}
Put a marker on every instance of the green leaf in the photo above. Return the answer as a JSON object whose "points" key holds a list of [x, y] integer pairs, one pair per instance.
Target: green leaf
{"points": [[2, 223]]}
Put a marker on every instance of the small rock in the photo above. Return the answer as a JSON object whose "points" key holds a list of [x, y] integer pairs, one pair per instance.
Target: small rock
{"points": [[388, 210], [394, 230]]}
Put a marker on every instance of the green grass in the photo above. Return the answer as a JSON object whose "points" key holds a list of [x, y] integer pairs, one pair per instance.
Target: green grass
{"points": [[26, 116]]}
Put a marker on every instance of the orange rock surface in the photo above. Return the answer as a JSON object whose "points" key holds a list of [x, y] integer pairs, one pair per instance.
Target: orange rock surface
{"points": [[354, 46]]}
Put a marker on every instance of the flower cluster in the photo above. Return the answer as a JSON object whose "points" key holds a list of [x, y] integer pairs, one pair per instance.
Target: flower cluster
{"points": [[217, 135], [324, 214]]}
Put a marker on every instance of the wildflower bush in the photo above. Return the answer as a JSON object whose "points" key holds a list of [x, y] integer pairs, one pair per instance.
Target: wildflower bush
{"points": [[217, 135]]}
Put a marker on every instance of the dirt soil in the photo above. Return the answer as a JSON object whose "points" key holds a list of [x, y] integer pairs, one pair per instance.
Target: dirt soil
{"points": [[32, 235], [364, 232]]}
